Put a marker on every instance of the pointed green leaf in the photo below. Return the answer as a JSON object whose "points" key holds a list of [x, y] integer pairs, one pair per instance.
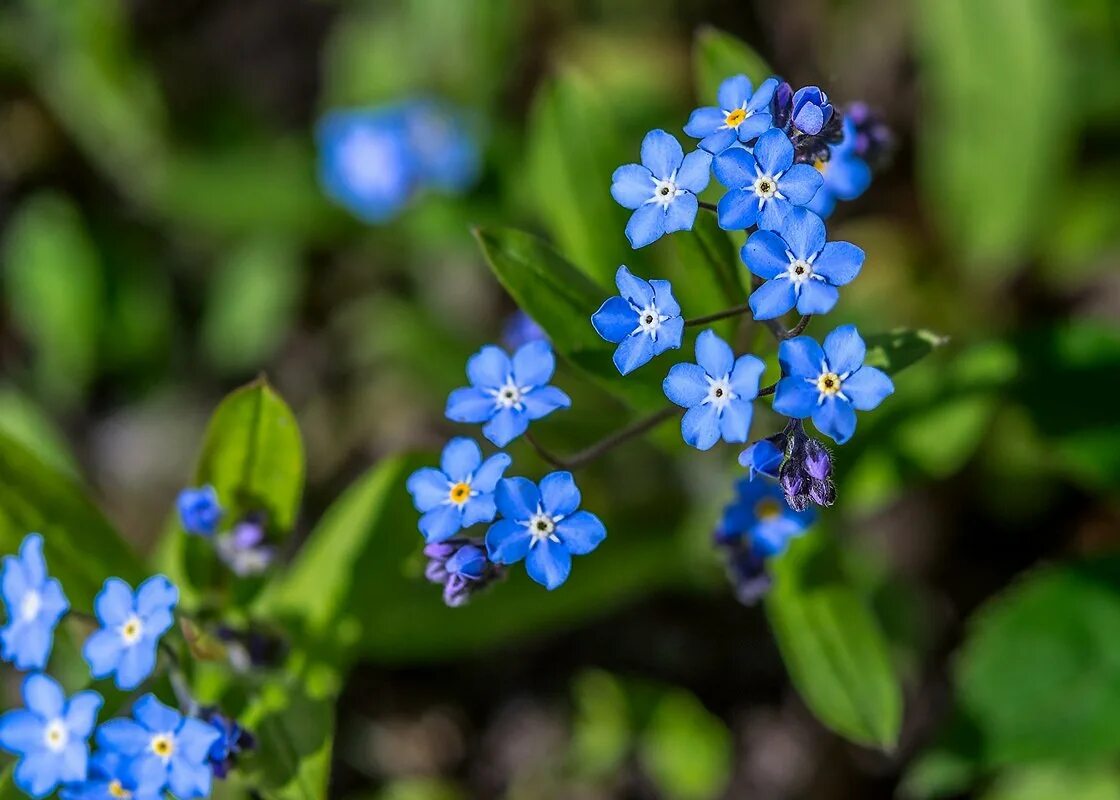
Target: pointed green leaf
{"points": [[717, 56], [894, 351]]}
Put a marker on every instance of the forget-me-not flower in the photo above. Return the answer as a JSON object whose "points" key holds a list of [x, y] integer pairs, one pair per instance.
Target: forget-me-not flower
{"points": [[365, 161], [50, 735], [110, 778], [507, 394], [829, 384], [764, 457], [166, 749], [764, 184], [34, 603], [662, 189], [132, 624], [458, 494], [542, 526], [740, 116], [717, 391], [644, 319], [811, 110], [760, 513], [520, 329], [846, 175], [199, 510], [799, 268]]}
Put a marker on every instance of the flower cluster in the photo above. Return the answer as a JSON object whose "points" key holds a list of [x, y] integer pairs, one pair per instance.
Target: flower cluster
{"points": [[244, 548], [158, 750]]}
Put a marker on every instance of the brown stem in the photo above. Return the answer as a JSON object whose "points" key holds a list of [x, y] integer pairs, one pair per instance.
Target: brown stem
{"points": [[589, 454], [707, 206], [728, 312]]}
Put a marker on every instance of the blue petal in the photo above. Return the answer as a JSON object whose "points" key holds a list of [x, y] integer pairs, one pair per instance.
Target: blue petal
{"points": [[663, 298], [470, 405], [549, 563], [13, 582], [31, 556], [148, 770], [543, 401], [734, 92], [796, 397], [714, 354], [21, 731], [123, 736], [847, 178], [800, 183], [704, 122], [489, 368], [718, 141], [507, 542], [835, 418], [774, 153], [839, 263], [661, 153], [187, 781], [763, 95], [478, 509], [615, 319], [681, 213], [488, 475], [428, 487], [735, 421], [44, 696], [155, 594], [686, 385], [517, 498], [762, 457], [823, 202], [801, 356], [441, 523], [534, 363], [669, 335], [102, 651], [631, 185], [845, 349], [867, 387], [737, 210], [700, 426], [803, 231], [81, 713], [136, 664], [745, 376], [155, 716], [461, 457], [28, 645], [646, 225], [770, 538], [773, 214], [817, 297], [695, 172], [765, 254], [468, 561], [632, 352], [581, 533], [37, 773], [753, 126], [559, 494], [195, 738], [735, 168], [637, 290], [809, 119], [772, 299]]}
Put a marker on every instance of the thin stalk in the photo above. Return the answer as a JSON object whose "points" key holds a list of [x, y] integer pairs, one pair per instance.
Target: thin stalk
{"points": [[589, 454], [728, 312]]}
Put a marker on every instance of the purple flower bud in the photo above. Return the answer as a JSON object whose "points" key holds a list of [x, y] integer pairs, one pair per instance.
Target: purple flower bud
{"points": [[232, 741], [806, 474], [244, 549], [818, 462], [874, 141], [781, 107], [462, 567], [811, 110]]}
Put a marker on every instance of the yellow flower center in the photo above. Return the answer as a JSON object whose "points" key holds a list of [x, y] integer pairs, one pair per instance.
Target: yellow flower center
{"points": [[460, 493], [828, 383], [163, 745], [116, 790], [767, 508], [735, 118], [820, 165]]}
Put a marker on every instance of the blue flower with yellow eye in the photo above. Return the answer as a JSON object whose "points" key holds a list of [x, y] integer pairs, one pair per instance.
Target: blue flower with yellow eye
{"points": [[132, 624], [846, 175], [764, 185], [760, 515], [742, 114], [644, 319], [458, 494], [33, 602], [110, 778]]}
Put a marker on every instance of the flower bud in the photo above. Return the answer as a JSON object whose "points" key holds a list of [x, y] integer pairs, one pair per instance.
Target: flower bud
{"points": [[461, 567], [806, 474]]}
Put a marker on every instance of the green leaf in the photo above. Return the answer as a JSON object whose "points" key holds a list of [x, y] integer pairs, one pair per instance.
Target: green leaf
{"points": [[832, 645], [718, 56], [686, 749], [601, 724], [1050, 781], [894, 351], [711, 264]]}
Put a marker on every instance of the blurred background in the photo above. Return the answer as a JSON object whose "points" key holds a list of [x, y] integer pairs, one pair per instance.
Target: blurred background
{"points": [[164, 239]]}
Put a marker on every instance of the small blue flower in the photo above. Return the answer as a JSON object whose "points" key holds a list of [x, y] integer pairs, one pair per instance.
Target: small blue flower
{"points": [[109, 779], [365, 162], [165, 748], [199, 510], [829, 384], [245, 548], [740, 116], [717, 391], [811, 110], [662, 189], [846, 174], [764, 457], [50, 735], [507, 394], [520, 329], [763, 185], [760, 514], [645, 320], [458, 494], [800, 269], [542, 525], [232, 741], [33, 602], [444, 149], [132, 625]]}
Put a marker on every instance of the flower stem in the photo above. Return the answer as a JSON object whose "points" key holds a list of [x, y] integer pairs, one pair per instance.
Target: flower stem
{"points": [[589, 454], [708, 206], [728, 312]]}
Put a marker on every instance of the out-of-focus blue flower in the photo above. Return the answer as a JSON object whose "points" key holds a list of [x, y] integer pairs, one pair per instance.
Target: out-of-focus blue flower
{"points": [[543, 526], [846, 175], [644, 320], [760, 514], [520, 329], [232, 741], [717, 391], [799, 268], [458, 494], [764, 457], [746, 570], [764, 184], [740, 116], [199, 510], [662, 189], [873, 140], [829, 384], [811, 110], [461, 567], [444, 149], [365, 162], [33, 602], [244, 549], [507, 394], [132, 624], [165, 748], [109, 778], [50, 735]]}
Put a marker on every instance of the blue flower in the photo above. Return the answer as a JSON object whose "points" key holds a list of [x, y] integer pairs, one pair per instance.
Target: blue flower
{"points": [[132, 625], [764, 457], [232, 741], [458, 494], [542, 526], [365, 162], [165, 748], [760, 514], [829, 385], [50, 735], [662, 189], [811, 110], [199, 510], [764, 185], [717, 391], [109, 779], [444, 150], [507, 395], [740, 116], [800, 269], [520, 329], [846, 174], [645, 320], [34, 604]]}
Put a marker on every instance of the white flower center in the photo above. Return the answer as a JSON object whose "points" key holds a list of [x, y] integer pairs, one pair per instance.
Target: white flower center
{"points": [[509, 394], [665, 190], [719, 392], [649, 320], [163, 745], [765, 186], [56, 735], [132, 630], [800, 270], [30, 605], [542, 526]]}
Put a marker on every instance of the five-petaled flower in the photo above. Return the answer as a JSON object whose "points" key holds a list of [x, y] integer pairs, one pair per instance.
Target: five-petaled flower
{"points": [[717, 391], [662, 189], [846, 174], [829, 384], [458, 494], [166, 748], [799, 268], [644, 319], [760, 514], [507, 394], [110, 778], [763, 185], [199, 510], [740, 116], [50, 735], [34, 603], [543, 526], [132, 624]]}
